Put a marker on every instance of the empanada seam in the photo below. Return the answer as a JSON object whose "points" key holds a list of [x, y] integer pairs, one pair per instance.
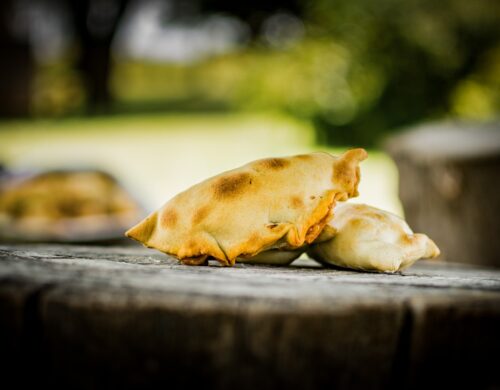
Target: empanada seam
{"points": [[226, 257]]}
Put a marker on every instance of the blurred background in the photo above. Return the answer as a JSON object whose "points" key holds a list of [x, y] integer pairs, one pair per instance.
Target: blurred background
{"points": [[163, 93]]}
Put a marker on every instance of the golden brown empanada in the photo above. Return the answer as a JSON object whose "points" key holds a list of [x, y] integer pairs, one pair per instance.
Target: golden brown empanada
{"points": [[77, 205], [371, 239], [274, 204]]}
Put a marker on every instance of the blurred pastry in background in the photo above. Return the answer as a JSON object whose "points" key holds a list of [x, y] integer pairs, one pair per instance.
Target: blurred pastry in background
{"points": [[65, 205]]}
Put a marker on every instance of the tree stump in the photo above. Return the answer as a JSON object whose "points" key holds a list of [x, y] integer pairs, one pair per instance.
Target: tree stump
{"points": [[92, 317], [449, 185]]}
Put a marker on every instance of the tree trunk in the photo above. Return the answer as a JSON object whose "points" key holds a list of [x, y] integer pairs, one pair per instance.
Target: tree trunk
{"points": [[450, 188], [16, 68], [95, 23]]}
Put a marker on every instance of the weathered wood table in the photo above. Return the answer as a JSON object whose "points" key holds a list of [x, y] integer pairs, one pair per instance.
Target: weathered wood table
{"points": [[92, 317]]}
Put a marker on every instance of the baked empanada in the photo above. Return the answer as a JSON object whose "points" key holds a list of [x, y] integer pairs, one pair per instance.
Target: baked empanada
{"points": [[276, 205], [371, 239], [75, 205]]}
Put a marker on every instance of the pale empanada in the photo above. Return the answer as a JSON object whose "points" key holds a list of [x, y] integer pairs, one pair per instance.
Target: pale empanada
{"points": [[371, 239], [276, 205]]}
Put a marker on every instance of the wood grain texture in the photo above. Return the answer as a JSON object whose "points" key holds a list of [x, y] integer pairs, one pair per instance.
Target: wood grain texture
{"points": [[92, 317]]}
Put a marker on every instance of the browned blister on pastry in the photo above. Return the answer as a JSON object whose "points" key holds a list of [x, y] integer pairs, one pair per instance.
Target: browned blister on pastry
{"points": [[274, 204]]}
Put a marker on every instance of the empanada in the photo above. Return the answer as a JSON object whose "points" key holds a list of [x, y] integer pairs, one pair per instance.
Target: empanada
{"points": [[74, 205], [274, 205], [371, 239]]}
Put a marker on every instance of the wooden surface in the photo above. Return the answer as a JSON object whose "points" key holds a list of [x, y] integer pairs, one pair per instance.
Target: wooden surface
{"points": [[92, 317]]}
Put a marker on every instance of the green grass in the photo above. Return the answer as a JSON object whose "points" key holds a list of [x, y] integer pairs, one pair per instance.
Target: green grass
{"points": [[157, 156]]}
